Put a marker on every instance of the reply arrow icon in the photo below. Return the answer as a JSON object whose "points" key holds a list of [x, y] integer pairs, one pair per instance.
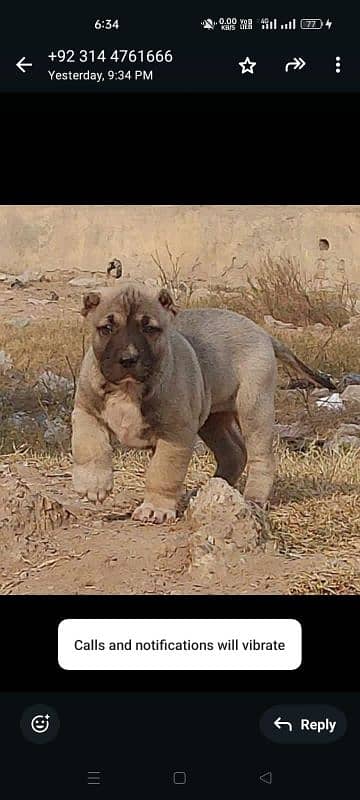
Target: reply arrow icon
{"points": [[279, 723], [298, 63], [22, 64]]}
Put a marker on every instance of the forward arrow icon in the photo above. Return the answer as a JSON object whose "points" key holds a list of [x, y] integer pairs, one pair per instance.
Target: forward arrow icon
{"points": [[298, 63]]}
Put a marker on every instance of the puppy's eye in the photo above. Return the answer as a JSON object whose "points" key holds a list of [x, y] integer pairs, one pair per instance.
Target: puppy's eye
{"points": [[105, 330], [149, 329]]}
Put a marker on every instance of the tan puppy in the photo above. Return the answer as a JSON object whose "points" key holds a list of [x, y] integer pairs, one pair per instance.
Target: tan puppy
{"points": [[157, 378]]}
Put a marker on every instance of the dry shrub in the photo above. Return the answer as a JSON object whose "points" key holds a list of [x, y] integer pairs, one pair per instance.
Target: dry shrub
{"points": [[280, 290], [171, 275]]}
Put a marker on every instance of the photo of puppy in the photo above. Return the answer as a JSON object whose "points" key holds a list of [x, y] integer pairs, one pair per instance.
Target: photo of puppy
{"points": [[180, 399]]}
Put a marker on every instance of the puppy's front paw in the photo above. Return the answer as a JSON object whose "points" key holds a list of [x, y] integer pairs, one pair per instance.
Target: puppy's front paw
{"points": [[92, 480], [147, 512]]}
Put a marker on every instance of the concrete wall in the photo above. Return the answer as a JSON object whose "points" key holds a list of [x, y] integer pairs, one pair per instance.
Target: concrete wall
{"points": [[87, 237]]}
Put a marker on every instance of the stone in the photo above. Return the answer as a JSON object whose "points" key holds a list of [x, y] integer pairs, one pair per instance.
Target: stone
{"points": [[351, 395], [25, 422], [23, 279], [222, 528], [344, 440], [333, 402], [348, 379], [17, 284], [200, 447], [19, 322], [55, 431], [27, 276], [50, 383], [288, 431], [217, 495]]}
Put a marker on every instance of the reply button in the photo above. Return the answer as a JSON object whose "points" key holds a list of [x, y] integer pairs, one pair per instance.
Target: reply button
{"points": [[303, 724]]}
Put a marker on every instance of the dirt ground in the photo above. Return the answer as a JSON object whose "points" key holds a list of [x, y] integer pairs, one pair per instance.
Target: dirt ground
{"points": [[52, 542]]}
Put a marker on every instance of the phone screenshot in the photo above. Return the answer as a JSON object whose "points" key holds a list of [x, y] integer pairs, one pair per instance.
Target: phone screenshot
{"points": [[180, 401]]}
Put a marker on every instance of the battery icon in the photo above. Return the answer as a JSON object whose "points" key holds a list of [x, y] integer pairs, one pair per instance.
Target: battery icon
{"points": [[311, 24]]}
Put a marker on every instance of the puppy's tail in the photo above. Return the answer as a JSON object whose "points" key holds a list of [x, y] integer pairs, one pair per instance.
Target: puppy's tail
{"points": [[284, 354]]}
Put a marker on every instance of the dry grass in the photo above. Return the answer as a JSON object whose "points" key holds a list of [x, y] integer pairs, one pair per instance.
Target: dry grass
{"points": [[51, 345], [336, 581], [280, 290]]}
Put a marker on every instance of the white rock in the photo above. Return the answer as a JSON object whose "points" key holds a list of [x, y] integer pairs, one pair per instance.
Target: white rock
{"points": [[213, 498], [332, 402], [27, 276], [351, 394], [19, 322], [50, 382]]}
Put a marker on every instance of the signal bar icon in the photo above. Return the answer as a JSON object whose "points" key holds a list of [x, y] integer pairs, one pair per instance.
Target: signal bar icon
{"points": [[268, 24], [288, 26]]}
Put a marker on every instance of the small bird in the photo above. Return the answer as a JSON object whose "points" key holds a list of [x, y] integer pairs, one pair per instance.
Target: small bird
{"points": [[116, 265]]}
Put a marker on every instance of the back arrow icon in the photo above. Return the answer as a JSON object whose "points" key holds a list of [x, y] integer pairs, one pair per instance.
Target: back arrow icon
{"points": [[298, 63], [22, 63], [279, 722]]}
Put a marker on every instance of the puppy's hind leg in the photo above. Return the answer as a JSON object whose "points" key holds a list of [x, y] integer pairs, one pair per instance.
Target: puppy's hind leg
{"points": [[256, 416], [222, 435]]}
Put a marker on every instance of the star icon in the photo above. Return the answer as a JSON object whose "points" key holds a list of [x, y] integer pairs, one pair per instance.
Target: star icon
{"points": [[247, 66]]}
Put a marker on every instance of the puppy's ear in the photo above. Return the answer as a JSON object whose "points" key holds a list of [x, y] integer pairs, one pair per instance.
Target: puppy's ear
{"points": [[167, 302], [90, 301]]}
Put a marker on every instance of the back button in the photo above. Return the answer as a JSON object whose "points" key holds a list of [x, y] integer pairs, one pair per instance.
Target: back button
{"points": [[266, 777]]}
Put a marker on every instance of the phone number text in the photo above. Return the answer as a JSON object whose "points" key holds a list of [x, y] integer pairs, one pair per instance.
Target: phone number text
{"points": [[121, 56]]}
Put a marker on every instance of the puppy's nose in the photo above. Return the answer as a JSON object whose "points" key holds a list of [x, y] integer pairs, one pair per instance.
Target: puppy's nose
{"points": [[129, 361]]}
